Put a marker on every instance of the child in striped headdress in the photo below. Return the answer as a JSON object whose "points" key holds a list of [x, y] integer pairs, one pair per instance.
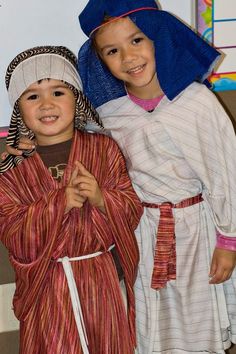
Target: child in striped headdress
{"points": [[64, 206]]}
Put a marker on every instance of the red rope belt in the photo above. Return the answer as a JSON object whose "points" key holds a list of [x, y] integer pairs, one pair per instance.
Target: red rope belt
{"points": [[165, 249]]}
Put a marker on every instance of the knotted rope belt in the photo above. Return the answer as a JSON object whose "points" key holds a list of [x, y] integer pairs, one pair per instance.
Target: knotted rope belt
{"points": [[77, 310], [165, 249]]}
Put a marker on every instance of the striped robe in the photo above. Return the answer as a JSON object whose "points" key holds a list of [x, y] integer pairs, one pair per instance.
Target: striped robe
{"points": [[185, 147], [36, 232]]}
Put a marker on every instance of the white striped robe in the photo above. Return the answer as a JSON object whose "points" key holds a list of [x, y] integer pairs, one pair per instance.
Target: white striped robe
{"points": [[185, 147]]}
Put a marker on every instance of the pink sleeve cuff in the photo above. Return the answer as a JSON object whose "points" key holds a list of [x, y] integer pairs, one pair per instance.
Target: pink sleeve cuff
{"points": [[225, 242]]}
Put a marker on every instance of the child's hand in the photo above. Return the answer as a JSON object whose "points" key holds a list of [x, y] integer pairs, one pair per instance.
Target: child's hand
{"points": [[88, 187], [73, 197], [222, 265], [10, 150], [24, 144]]}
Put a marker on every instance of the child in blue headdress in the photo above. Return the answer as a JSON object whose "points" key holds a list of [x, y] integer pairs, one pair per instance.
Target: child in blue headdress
{"points": [[144, 71]]}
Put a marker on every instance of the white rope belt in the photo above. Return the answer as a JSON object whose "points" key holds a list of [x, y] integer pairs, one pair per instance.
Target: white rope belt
{"points": [[75, 296]]}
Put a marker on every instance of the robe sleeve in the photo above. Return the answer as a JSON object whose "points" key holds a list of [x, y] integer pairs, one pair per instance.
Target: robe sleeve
{"points": [[208, 144], [123, 212], [29, 230]]}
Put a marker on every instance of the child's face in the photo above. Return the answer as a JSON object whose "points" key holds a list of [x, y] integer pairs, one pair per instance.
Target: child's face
{"points": [[129, 55], [48, 109]]}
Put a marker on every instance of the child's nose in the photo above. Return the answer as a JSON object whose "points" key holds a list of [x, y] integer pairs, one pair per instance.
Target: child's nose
{"points": [[46, 103], [128, 55]]}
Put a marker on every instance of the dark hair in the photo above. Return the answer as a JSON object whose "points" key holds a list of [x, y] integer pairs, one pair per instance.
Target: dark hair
{"points": [[106, 19]]}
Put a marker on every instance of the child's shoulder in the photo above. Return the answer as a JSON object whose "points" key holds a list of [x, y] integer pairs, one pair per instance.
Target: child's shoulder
{"points": [[197, 91], [200, 105], [198, 99]]}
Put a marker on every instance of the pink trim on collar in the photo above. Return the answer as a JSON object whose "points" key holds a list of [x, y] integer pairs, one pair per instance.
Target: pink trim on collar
{"points": [[125, 14]]}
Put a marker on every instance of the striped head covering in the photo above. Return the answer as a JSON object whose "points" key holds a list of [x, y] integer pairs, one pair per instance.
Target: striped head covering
{"points": [[182, 57], [30, 66]]}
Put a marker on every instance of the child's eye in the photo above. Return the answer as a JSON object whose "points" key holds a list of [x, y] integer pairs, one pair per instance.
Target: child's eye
{"points": [[58, 93], [137, 40], [112, 51], [32, 97]]}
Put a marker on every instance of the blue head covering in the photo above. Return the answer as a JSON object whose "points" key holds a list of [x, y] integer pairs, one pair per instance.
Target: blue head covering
{"points": [[93, 14], [182, 57]]}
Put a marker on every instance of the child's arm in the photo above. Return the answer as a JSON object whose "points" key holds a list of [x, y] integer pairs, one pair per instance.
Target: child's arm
{"points": [[208, 145], [222, 265], [30, 226]]}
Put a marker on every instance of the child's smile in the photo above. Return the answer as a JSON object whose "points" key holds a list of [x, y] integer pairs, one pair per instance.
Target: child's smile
{"points": [[137, 70], [47, 119]]}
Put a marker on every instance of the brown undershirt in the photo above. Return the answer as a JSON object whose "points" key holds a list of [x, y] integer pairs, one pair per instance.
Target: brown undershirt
{"points": [[55, 157]]}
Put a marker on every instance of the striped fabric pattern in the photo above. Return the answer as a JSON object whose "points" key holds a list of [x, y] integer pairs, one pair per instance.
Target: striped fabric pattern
{"points": [[184, 148], [164, 268], [9, 325], [36, 233]]}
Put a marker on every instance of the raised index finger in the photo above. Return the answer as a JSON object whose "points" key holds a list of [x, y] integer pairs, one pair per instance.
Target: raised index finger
{"points": [[82, 170], [74, 175]]}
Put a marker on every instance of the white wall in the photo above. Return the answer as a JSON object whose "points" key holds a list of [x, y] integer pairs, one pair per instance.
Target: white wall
{"points": [[27, 23], [184, 9]]}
